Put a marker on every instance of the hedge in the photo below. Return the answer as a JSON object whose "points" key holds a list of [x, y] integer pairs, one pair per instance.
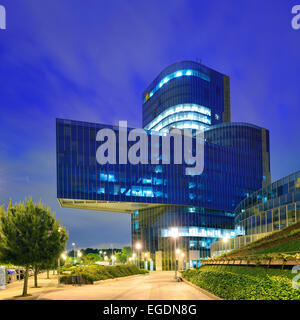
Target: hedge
{"points": [[97, 272], [240, 285]]}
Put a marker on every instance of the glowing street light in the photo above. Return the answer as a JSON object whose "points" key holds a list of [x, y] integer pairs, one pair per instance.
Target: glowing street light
{"points": [[79, 255], [183, 261], [138, 247], [225, 239]]}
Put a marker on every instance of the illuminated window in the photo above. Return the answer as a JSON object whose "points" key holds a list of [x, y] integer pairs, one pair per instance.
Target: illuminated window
{"points": [[202, 232], [182, 116], [177, 74]]}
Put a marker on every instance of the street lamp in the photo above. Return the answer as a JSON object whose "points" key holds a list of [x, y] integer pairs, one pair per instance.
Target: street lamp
{"points": [[73, 244], [138, 247], [112, 259], [183, 266], [145, 261], [133, 257], [58, 267], [225, 240], [174, 235], [79, 254]]}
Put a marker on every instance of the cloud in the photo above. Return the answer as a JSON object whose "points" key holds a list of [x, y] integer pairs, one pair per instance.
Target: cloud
{"points": [[90, 61]]}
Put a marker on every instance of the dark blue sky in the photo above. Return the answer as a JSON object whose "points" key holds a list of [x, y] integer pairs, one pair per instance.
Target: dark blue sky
{"points": [[91, 60]]}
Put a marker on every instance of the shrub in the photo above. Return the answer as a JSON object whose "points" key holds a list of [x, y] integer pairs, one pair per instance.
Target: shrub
{"points": [[243, 283], [97, 272]]}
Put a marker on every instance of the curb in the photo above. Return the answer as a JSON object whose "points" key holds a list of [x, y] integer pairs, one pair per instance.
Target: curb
{"points": [[200, 289]]}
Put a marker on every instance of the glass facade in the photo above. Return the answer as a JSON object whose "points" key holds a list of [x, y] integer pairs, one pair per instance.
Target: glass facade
{"points": [[191, 116], [269, 209], [161, 197], [232, 169], [188, 83]]}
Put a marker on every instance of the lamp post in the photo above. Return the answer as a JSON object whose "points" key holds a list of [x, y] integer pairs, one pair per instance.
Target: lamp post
{"points": [[182, 255], [133, 258], [58, 267], [225, 240], [174, 235], [73, 244], [145, 260], [79, 254], [138, 247]]}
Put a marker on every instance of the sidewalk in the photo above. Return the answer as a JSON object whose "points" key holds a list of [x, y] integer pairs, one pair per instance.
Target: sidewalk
{"points": [[16, 288]]}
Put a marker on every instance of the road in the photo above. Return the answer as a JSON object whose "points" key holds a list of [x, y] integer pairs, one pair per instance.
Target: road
{"points": [[155, 286]]}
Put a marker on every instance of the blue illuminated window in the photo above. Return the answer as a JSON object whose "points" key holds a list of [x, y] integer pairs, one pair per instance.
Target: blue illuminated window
{"points": [[182, 116], [177, 74]]}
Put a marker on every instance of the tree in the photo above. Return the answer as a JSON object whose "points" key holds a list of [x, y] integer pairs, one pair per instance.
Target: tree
{"points": [[30, 236], [90, 250], [91, 258], [127, 251], [123, 256], [53, 245]]}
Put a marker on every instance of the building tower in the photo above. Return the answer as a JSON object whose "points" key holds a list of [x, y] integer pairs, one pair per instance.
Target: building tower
{"points": [[186, 95]]}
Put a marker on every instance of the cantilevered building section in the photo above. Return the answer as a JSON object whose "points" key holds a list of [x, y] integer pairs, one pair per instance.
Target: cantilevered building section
{"points": [[160, 197]]}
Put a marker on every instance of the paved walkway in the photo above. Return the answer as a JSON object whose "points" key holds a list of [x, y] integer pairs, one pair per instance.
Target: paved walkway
{"points": [[16, 288], [158, 285]]}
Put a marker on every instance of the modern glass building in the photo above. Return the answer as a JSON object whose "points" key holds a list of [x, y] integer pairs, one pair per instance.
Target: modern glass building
{"points": [[267, 210], [271, 208], [186, 95], [161, 198]]}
